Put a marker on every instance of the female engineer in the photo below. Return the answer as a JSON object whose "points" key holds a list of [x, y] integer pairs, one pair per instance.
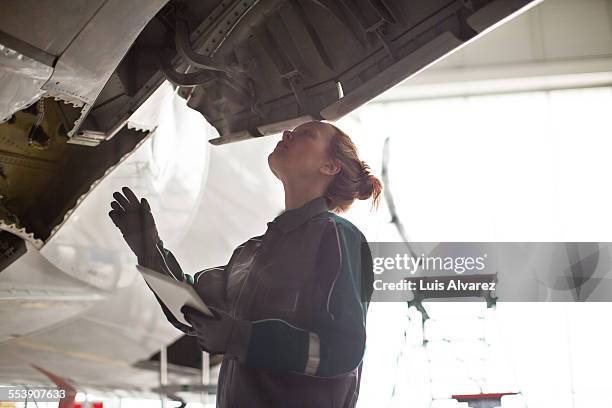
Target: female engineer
{"points": [[291, 304]]}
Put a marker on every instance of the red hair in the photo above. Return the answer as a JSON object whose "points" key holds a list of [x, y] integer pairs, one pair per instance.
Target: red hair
{"points": [[354, 181]]}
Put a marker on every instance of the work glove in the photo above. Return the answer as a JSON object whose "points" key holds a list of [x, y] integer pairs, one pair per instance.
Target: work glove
{"points": [[136, 223], [221, 334], [188, 330]]}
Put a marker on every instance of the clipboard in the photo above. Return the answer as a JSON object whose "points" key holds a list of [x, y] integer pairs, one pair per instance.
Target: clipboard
{"points": [[174, 294]]}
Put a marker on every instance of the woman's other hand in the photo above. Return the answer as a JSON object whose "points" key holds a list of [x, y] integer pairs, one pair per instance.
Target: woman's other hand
{"points": [[221, 334], [135, 221]]}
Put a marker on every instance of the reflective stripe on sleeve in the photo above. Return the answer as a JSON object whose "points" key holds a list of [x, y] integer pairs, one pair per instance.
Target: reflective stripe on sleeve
{"points": [[312, 365]]}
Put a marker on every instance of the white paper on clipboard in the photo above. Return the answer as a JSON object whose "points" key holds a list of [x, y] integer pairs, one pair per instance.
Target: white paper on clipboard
{"points": [[174, 294]]}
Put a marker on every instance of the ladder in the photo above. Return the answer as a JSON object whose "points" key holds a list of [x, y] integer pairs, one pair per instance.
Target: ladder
{"points": [[451, 338]]}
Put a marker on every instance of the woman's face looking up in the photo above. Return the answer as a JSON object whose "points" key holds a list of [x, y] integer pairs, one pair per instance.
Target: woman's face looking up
{"points": [[303, 153]]}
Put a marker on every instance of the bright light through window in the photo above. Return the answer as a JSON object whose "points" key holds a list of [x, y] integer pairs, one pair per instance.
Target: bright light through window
{"points": [[517, 167]]}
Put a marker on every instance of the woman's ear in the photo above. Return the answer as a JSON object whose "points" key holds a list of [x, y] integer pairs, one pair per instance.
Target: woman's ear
{"points": [[330, 167]]}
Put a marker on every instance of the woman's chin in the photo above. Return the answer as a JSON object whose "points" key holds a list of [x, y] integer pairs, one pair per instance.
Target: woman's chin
{"points": [[271, 161], [271, 158]]}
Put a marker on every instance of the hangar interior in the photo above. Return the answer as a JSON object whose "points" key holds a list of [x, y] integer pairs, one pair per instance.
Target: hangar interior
{"points": [[506, 139]]}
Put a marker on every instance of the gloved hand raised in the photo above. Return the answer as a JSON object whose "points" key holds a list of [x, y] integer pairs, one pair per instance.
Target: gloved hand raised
{"points": [[136, 223], [222, 334]]}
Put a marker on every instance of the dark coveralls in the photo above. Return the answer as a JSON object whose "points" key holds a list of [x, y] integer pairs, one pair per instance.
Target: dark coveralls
{"points": [[306, 286]]}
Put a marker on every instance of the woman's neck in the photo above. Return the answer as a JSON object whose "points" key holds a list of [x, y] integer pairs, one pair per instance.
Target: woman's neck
{"points": [[297, 195]]}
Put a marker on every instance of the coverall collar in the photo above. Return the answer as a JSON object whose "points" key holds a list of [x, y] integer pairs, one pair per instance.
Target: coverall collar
{"points": [[291, 219]]}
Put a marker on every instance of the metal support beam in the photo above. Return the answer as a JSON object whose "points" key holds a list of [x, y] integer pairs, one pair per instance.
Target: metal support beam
{"points": [[302, 16], [163, 366], [184, 49]]}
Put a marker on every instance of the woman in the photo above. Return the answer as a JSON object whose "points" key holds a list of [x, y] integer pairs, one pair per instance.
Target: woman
{"points": [[291, 304]]}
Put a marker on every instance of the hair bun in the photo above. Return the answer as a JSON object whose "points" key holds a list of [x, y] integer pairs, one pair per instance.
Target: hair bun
{"points": [[354, 181], [366, 187], [366, 184]]}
